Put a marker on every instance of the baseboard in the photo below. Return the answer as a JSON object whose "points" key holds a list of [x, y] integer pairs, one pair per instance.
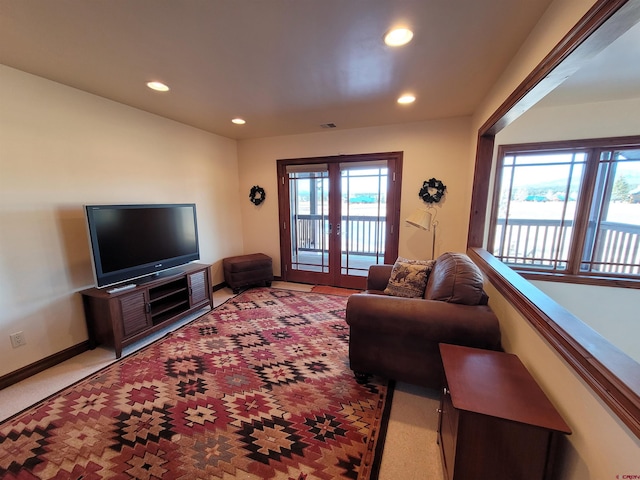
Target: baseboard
{"points": [[41, 365]]}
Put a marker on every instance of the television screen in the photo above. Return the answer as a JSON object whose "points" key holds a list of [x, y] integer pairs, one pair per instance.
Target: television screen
{"points": [[131, 241]]}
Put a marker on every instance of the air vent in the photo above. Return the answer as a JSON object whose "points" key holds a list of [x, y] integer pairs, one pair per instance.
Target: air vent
{"points": [[328, 125]]}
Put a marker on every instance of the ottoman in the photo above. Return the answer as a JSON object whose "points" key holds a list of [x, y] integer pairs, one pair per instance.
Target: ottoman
{"points": [[247, 270]]}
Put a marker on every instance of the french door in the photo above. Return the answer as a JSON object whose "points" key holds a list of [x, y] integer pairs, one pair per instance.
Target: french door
{"points": [[338, 216]]}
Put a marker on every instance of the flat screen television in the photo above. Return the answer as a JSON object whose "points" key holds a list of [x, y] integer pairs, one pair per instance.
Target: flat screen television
{"points": [[133, 241]]}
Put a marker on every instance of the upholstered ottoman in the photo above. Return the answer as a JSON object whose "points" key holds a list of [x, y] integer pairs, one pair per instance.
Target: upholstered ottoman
{"points": [[247, 270]]}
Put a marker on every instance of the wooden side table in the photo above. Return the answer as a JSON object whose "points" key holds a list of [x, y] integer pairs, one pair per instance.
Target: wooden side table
{"points": [[495, 421]]}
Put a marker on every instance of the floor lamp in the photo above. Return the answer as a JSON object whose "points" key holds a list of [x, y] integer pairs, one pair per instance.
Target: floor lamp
{"points": [[423, 219]]}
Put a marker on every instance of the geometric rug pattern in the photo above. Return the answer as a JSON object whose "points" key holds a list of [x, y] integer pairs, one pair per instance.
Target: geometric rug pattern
{"points": [[258, 388]]}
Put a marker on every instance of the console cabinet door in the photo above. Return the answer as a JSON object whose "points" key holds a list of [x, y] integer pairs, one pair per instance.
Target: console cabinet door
{"points": [[448, 434], [198, 288], [135, 317]]}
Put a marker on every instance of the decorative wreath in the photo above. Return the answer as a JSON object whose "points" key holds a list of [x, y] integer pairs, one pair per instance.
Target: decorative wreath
{"points": [[257, 195], [430, 185]]}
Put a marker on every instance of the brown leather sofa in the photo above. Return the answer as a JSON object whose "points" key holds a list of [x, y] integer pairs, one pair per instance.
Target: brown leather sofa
{"points": [[398, 337]]}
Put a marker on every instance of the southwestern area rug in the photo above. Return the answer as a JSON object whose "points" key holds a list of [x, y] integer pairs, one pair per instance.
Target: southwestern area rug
{"points": [[259, 388]]}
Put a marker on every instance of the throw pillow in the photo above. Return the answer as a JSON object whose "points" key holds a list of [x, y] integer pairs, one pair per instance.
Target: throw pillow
{"points": [[409, 278]]}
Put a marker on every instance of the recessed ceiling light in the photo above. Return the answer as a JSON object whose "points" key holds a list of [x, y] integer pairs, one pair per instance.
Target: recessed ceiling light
{"points": [[238, 121], [405, 99], [398, 37], [158, 86]]}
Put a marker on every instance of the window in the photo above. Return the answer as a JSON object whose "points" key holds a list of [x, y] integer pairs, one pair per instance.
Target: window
{"points": [[569, 208]]}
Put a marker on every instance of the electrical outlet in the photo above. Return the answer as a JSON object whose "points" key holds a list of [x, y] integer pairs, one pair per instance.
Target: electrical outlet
{"points": [[17, 339]]}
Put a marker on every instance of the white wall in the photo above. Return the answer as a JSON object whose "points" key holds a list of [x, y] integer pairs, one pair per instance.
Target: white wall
{"points": [[61, 148], [612, 312], [572, 122], [431, 149], [600, 447]]}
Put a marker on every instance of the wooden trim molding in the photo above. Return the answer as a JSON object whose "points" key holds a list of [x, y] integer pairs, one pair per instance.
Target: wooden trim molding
{"points": [[583, 348], [589, 36], [612, 375], [580, 279], [480, 193], [41, 365]]}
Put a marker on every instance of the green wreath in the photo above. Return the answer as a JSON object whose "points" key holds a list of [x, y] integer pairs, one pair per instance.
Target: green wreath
{"points": [[257, 195], [430, 185]]}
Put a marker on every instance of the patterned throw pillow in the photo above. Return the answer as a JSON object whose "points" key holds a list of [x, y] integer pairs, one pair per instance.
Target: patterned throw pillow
{"points": [[409, 278]]}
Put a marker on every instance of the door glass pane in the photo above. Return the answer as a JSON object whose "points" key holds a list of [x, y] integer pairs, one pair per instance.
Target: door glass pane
{"points": [[309, 209], [536, 208], [613, 237], [363, 216]]}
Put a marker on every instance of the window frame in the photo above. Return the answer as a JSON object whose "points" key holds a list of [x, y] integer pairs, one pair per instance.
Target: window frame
{"points": [[578, 239], [394, 192]]}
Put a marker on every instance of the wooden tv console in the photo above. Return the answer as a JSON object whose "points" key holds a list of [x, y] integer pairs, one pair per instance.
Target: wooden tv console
{"points": [[123, 317]]}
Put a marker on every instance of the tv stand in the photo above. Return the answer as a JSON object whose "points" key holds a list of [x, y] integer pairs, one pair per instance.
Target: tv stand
{"points": [[123, 317], [158, 275]]}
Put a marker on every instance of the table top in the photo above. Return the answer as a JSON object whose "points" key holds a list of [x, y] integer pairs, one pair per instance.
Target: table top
{"points": [[497, 384], [150, 280]]}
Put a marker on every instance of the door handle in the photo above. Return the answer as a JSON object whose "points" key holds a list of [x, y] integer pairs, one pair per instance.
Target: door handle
{"points": [[338, 229]]}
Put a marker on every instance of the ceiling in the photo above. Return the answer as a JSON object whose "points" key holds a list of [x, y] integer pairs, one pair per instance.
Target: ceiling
{"points": [[285, 66]]}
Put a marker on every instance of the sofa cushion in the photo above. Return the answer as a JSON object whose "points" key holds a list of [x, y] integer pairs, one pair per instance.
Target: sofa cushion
{"points": [[409, 278], [455, 279]]}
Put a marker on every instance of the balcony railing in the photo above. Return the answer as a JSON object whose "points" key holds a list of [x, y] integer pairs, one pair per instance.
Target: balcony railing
{"points": [[545, 244], [527, 242], [361, 235]]}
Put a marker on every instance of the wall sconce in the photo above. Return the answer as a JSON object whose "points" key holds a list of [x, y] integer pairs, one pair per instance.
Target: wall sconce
{"points": [[424, 219]]}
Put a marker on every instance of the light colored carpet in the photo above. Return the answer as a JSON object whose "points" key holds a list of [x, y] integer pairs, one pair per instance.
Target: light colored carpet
{"points": [[410, 449]]}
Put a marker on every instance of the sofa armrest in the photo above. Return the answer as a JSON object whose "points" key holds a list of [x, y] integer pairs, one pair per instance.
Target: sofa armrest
{"points": [[378, 277], [431, 320]]}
